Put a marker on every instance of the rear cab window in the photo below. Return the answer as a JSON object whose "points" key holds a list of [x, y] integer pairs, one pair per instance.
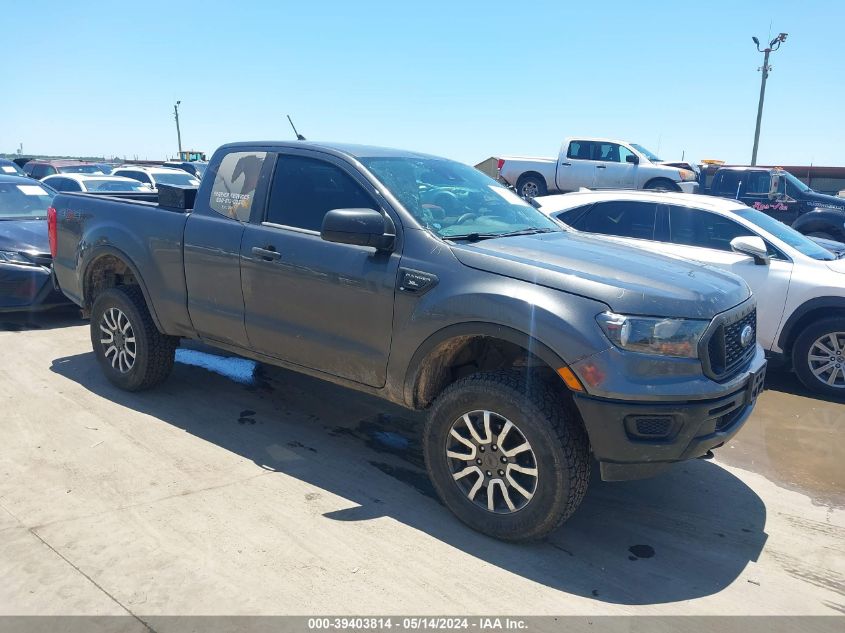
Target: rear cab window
{"points": [[580, 150], [235, 183]]}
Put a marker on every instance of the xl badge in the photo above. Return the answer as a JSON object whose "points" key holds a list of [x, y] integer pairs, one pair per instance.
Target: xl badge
{"points": [[746, 337]]}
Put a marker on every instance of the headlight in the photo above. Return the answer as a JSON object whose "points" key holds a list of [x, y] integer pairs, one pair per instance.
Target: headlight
{"points": [[687, 174], [11, 257], [653, 335]]}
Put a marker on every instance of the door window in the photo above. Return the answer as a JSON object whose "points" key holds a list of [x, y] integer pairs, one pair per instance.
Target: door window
{"points": [[233, 192], [727, 183], [758, 183], [694, 227], [607, 152], [622, 218], [580, 150], [624, 153], [305, 189]]}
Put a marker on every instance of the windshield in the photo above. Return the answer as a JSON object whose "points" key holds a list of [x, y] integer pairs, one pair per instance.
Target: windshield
{"points": [[786, 234], [199, 168], [180, 178], [792, 184], [650, 155], [79, 169], [108, 184], [455, 200], [21, 201]]}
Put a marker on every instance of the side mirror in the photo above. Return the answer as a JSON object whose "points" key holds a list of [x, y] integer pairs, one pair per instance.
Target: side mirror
{"points": [[753, 246], [633, 159], [360, 227]]}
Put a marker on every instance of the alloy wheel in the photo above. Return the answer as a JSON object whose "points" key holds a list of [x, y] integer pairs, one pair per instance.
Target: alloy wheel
{"points": [[826, 359], [492, 462], [118, 340]]}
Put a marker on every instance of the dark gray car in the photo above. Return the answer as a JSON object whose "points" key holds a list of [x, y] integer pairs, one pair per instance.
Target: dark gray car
{"points": [[424, 282]]}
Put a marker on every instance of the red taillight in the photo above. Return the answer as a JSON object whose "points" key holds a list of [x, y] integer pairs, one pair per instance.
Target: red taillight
{"points": [[499, 163], [51, 230]]}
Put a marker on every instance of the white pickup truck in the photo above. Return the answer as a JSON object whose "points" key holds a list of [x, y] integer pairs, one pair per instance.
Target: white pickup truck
{"points": [[595, 163]]}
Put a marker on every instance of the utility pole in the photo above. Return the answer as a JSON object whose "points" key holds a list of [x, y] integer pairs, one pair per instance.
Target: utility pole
{"points": [[765, 68], [178, 133]]}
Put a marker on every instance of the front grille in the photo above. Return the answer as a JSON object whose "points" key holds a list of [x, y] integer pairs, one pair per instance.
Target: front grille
{"points": [[725, 351]]}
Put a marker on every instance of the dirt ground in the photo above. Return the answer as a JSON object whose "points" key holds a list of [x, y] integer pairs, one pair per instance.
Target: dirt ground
{"points": [[228, 492]]}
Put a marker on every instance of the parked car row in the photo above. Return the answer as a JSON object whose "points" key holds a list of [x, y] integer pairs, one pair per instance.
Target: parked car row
{"points": [[185, 173]]}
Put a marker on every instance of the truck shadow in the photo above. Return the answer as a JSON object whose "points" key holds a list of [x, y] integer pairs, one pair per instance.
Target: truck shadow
{"points": [[680, 536], [47, 320]]}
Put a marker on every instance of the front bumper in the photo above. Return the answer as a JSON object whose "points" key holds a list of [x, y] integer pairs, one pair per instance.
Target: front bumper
{"points": [[636, 439], [688, 186], [28, 288]]}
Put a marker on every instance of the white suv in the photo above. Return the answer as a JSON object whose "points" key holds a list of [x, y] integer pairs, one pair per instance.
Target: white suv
{"points": [[154, 175], [799, 285]]}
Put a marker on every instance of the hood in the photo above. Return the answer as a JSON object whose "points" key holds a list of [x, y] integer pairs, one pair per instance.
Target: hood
{"points": [[824, 201], [837, 248], [24, 236], [628, 279]]}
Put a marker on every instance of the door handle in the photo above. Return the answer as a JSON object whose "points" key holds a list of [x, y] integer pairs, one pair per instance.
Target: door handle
{"points": [[601, 166], [267, 254], [566, 164]]}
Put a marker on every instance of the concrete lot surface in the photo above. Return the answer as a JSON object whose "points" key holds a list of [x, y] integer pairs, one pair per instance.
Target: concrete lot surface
{"points": [[286, 495]]}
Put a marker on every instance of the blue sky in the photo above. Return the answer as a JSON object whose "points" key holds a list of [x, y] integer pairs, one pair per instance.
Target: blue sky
{"points": [[465, 80]]}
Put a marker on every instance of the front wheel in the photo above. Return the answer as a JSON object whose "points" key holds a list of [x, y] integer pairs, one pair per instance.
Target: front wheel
{"points": [[507, 454], [818, 357], [131, 351], [661, 184]]}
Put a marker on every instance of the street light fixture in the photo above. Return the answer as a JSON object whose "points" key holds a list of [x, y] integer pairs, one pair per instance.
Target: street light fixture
{"points": [[773, 46], [178, 133]]}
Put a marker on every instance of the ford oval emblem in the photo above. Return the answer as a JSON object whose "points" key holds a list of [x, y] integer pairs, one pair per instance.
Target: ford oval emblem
{"points": [[746, 337]]}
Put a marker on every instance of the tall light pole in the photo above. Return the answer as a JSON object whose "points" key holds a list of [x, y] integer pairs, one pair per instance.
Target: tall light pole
{"points": [[179, 134], [773, 46]]}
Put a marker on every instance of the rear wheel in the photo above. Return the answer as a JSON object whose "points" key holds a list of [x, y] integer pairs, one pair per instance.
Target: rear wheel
{"points": [[531, 187], [818, 357], [131, 351], [507, 454]]}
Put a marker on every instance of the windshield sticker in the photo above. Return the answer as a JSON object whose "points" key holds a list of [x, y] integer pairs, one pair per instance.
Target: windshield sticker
{"points": [[9, 169], [33, 190]]}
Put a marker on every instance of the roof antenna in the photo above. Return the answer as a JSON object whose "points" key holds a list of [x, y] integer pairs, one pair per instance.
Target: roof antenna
{"points": [[299, 136]]}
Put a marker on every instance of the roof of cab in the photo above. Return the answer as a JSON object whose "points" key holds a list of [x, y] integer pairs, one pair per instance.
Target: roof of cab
{"points": [[341, 149]]}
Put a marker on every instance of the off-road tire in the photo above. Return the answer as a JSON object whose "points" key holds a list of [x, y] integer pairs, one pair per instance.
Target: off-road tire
{"points": [[801, 349], [546, 419], [155, 351]]}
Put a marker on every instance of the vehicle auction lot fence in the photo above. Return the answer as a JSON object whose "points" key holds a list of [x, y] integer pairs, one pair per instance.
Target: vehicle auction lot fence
{"points": [[287, 495]]}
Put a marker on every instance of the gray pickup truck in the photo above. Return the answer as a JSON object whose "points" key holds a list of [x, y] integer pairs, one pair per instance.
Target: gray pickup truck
{"points": [[424, 282]]}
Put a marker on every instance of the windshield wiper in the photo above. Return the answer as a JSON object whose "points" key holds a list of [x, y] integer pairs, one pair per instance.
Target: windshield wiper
{"points": [[476, 237]]}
